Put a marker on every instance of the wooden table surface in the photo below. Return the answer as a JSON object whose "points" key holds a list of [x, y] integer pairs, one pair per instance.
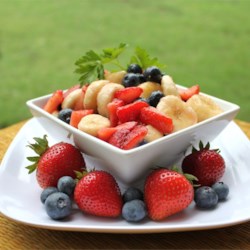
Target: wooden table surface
{"points": [[20, 236]]}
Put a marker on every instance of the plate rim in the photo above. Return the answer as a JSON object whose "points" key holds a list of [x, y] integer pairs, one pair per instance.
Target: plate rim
{"points": [[131, 228]]}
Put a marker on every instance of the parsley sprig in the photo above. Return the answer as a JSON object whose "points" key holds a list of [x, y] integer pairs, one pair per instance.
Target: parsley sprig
{"points": [[91, 65]]}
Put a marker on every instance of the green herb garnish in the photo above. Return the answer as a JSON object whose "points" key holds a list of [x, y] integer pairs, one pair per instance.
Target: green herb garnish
{"points": [[91, 65]]}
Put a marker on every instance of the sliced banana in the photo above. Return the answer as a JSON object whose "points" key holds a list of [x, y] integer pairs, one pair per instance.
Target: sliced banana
{"points": [[115, 77], [204, 107], [182, 114], [90, 98], [71, 99], [148, 88], [92, 123], [168, 86], [105, 96], [153, 134]]}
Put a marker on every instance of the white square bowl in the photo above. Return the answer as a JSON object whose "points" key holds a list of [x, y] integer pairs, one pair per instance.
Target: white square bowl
{"points": [[129, 167]]}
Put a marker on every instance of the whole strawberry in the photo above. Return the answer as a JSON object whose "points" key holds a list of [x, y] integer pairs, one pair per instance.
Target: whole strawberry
{"points": [[206, 164], [61, 159], [167, 192], [97, 193]]}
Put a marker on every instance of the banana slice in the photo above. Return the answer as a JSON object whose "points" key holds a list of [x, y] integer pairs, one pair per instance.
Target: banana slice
{"points": [[71, 99], [153, 134], [204, 107], [148, 88], [182, 114], [90, 98], [92, 123], [168, 86], [105, 96], [115, 77]]}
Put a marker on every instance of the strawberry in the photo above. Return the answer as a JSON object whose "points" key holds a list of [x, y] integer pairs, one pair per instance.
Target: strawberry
{"points": [[97, 193], [128, 138], [61, 159], [187, 93], [105, 133], [77, 115], [206, 164], [166, 192], [129, 94], [112, 108], [151, 116], [54, 101], [130, 112]]}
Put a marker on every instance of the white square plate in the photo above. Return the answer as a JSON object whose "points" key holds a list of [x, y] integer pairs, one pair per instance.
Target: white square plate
{"points": [[20, 193]]}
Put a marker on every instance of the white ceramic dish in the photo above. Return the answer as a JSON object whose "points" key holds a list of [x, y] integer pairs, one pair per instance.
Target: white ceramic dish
{"points": [[20, 193], [129, 166]]}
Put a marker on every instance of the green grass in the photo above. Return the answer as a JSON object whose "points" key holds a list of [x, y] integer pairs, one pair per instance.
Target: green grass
{"points": [[204, 42]]}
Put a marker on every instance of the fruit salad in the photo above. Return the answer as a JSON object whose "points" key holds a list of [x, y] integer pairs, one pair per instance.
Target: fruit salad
{"points": [[131, 107]]}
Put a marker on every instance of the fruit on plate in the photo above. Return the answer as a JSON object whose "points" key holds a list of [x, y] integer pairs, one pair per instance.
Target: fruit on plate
{"points": [[53, 162], [183, 116], [117, 97], [167, 192], [97, 193], [205, 197], [206, 164]]}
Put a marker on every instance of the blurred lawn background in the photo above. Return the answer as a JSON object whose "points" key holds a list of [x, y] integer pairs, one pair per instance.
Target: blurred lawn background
{"points": [[202, 42]]}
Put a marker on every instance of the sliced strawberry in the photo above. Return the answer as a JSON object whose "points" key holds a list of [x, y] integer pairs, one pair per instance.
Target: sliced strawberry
{"points": [[106, 133], [128, 95], [54, 101], [112, 108], [151, 116], [77, 115], [125, 138], [130, 112], [187, 93], [68, 91], [135, 137]]}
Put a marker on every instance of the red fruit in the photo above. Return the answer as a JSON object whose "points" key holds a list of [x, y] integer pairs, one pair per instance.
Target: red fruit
{"points": [[166, 192], [129, 94], [187, 93], [128, 138], [61, 159], [130, 112], [206, 164], [112, 108], [97, 193], [106, 133], [54, 101], [77, 115], [151, 116]]}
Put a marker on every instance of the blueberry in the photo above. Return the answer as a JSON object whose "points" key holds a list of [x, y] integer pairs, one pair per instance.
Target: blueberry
{"points": [[153, 74], [155, 97], [46, 192], [132, 193], [134, 211], [58, 205], [134, 68], [142, 78], [65, 115], [66, 184], [221, 189], [205, 197], [131, 79]]}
